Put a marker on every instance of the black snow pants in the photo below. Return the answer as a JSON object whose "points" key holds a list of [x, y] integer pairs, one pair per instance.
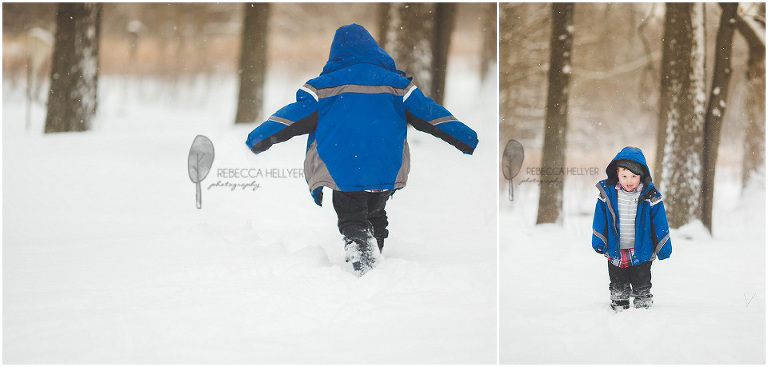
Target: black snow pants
{"points": [[362, 214], [634, 280]]}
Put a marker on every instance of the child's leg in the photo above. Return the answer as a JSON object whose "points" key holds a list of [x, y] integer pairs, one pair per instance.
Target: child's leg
{"points": [[352, 211], [640, 277], [619, 286], [359, 244], [377, 216]]}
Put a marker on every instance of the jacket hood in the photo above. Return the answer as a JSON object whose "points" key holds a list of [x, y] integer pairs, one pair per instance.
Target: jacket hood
{"points": [[630, 154], [352, 44]]}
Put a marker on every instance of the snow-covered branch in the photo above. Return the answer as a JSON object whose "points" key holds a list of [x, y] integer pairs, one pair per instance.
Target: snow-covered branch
{"points": [[752, 30]]}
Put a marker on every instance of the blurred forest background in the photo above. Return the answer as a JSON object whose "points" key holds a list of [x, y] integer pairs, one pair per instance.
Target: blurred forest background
{"points": [[617, 51], [613, 99], [183, 41]]}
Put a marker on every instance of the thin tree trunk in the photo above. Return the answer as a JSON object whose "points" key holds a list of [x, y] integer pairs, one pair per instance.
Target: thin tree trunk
{"points": [[409, 40], [753, 164], [506, 67], [553, 160], [718, 96], [417, 36], [383, 17], [74, 72], [507, 126], [253, 62], [445, 13]]}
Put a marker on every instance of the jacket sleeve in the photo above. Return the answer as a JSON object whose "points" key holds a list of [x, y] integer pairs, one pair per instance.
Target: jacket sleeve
{"points": [[661, 229], [294, 119], [427, 116], [600, 226]]}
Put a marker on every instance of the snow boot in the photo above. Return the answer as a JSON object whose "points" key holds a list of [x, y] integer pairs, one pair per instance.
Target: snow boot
{"points": [[643, 302], [642, 297], [620, 293], [619, 305], [380, 243], [363, 254]]}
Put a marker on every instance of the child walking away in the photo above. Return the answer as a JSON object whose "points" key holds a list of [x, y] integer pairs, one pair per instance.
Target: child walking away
{"points": [[630, 228], [356, 113]]}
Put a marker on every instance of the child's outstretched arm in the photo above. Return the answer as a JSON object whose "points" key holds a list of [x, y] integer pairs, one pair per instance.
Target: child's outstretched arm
{"points": [[427, 116], [294, 119], [661, 229], [600, 226]]}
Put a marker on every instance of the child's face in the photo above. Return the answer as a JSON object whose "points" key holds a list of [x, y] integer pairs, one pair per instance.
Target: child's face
{"points": [[627, 179]]}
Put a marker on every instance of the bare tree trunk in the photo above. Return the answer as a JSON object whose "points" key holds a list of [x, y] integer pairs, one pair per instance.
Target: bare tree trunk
{"points": [[445, 13], [753, 164], [681, 112], [754, 142], [39, 43], [553, 159], [507, 126], [383, 17], [74, 72], [417, 36], [506, 66], [253, 62], [718, 96], [409, 40]]}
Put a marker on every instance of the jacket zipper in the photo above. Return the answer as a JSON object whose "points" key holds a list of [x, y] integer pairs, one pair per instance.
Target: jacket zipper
{"points": [[654, 252], [613, 214]]}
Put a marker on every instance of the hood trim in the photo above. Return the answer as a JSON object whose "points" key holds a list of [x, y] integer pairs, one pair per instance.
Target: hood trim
{"points": [[631, 154]]}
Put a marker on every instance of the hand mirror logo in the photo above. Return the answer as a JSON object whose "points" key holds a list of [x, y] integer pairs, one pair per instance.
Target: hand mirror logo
{"points": [[200, 160], [512, 162]]}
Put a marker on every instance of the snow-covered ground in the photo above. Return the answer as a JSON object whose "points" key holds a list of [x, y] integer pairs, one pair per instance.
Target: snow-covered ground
{"points": [[709, 296], [107, 260]]}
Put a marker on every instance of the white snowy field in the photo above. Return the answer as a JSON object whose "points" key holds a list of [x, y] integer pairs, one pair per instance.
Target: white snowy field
{"points": [[709, 296], [107, 260]]}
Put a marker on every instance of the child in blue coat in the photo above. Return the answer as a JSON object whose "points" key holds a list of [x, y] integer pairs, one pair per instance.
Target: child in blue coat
{"points": [[630, 228], [356, 114]]}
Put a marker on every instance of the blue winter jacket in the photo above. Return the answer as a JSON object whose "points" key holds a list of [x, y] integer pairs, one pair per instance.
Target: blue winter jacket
{"points": [[651, 229], [356, 113]]}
